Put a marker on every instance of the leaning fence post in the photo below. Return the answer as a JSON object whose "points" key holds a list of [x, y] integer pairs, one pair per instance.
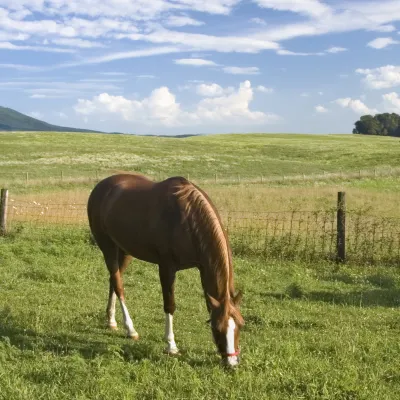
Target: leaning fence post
{"points": [[341, 228], [3, 211]]}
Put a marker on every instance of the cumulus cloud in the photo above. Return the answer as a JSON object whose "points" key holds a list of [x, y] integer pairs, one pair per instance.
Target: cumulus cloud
{"points": [[321, 109], [392, 102], [355, 105], [212, 90], [381, 43], [382, 77], [227, 106], [264, 89]]}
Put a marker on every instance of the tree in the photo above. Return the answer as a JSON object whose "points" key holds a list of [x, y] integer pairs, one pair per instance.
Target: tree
{"points": [[386, 124]]}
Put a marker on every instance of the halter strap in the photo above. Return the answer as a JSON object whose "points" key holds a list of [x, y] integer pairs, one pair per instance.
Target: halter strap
{"points": [[236, 353]]}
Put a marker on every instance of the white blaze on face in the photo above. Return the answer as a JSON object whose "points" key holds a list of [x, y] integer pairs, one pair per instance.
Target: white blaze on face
{"points": [[230, 343]]}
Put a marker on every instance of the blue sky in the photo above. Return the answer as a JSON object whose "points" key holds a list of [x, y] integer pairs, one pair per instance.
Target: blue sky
{"points": [[194, 66]]}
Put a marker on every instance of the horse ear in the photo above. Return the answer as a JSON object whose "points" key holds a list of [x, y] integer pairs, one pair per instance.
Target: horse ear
{"points": [[237, 298], [214, 302]]}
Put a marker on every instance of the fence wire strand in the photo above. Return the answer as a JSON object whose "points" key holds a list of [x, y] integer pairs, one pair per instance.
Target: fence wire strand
{"points": [[305, 235]]}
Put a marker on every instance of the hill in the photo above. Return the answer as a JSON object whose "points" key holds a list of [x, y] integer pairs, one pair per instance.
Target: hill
{"points": [[11, 120]]}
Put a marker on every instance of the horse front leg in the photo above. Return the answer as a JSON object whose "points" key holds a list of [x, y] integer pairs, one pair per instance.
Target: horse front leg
{"points": [[167, 279]]}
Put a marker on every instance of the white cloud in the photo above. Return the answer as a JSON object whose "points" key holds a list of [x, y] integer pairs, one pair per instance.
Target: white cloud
{"points": [[195, 62], [113, 73], [313, 8], [202, 42], [321, 109], [146, 76], [151, 51], [11, 37], [11, 46], [264, 89], [335, 50], [392, 102], [136, 10], [337, 17], [356, 105], [228, 106], [21, 67], [75, 42], [210, 90], [381, 43], [258, 21], [62, 115], [182, 20], [382, 77], [241, 70], [283, 52]]}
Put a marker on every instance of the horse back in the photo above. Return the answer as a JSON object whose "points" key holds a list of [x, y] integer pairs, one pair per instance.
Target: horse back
{"points": [[141, 217]]}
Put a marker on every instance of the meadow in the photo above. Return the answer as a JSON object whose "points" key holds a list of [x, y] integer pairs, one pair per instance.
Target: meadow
{"points": [[45, 155], [314, 330]]}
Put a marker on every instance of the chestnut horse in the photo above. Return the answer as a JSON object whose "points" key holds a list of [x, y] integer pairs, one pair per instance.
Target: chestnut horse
{"points": [[174, 224]]}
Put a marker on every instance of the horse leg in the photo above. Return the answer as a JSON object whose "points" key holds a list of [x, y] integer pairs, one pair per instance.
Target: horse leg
{"points": [[123, 262], [112, 262], [167, 279]]}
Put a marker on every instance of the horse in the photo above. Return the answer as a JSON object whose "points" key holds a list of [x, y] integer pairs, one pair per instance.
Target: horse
{"points": [[174, 224]]}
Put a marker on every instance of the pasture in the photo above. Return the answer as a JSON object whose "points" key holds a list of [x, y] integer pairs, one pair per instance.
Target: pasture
{"points": [[314, 330]]}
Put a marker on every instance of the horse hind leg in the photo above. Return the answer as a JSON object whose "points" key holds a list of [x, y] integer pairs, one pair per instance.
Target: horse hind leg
{"points": [[113, 261], [123, 262]]}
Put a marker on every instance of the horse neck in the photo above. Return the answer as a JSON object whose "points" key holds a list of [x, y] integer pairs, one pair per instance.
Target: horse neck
{"points": [[218, 280], [210, 239]]}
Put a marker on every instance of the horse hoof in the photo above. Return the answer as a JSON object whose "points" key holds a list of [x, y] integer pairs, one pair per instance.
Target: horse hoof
{"points": [[172, 352], [113, 327], [134, 337]]}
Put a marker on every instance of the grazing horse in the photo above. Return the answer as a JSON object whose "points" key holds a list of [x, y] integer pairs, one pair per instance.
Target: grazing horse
{"points": [[174, 224]]}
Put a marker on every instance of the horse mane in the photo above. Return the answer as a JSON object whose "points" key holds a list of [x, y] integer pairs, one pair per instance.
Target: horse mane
{"points": [[205, 223]]}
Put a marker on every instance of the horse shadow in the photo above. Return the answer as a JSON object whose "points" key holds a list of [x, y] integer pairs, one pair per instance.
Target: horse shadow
{"points": [[90, 344], [87, 344]]}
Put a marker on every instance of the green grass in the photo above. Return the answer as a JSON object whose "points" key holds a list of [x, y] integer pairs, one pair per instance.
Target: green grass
{"points": [[312, 331], [44, 155]]}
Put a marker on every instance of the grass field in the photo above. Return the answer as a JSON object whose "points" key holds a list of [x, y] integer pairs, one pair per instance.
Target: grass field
{"points": [[45, 155], [312, 331]]}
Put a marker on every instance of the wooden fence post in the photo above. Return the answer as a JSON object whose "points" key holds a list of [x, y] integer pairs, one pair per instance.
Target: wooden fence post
{"points": [[3, 211], [341, 228]]}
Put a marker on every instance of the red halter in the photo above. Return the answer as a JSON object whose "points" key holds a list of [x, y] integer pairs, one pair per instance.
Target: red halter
{"points": [[236, 353]]}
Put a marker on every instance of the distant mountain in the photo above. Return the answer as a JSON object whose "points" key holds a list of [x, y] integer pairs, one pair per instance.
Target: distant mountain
{"points": [[11, 120]]}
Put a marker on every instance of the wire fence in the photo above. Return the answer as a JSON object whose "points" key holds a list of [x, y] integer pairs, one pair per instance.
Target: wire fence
{"points": [[305, 235]]}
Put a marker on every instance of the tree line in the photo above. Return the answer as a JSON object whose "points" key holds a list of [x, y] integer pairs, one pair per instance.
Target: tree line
{"points": [[386, 124]]}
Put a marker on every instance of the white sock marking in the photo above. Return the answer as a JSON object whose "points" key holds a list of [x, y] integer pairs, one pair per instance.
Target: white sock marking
{"points": [[169, 334], [128, 321], [112, 321]]}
